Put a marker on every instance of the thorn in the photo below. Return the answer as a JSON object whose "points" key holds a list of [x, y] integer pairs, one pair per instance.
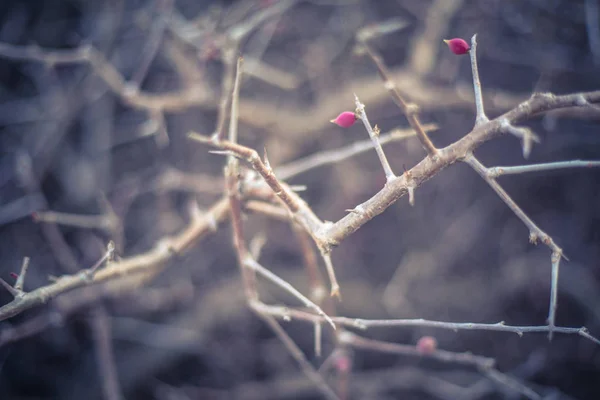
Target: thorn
{"points": [[267, 163], [21, 278], [10, 289], [223, 152], [411, 196], [298, 188]]}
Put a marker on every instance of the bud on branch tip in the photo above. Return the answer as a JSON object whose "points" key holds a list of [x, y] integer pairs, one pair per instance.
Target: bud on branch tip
{"points": [[345, 119], [457, 46]]}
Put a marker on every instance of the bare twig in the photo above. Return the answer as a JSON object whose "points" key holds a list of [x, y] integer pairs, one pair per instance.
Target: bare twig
{"points": [[327, 157], [295, 351], [105, 222], [481, 117], [249, 267], [535, 234], [101, 324], [525, 134], [409, 109], [152, 260], [427, 168], [374, 135], [227, 86], [193, 95], [593, 28], [495, 172], [358, 323], [515, 385], [22, 274], [360, 342], [256, 267]]}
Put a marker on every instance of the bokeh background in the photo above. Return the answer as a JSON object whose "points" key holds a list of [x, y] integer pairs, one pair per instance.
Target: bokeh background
{"points": [[70, 143]]}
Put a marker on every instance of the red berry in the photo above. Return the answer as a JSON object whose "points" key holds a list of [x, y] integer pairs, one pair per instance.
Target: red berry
{"points": [[458, 46], [426, 345], [343, 363], [345, 119]]}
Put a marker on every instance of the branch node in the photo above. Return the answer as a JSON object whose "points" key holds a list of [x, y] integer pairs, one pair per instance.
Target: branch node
{"points": [[374, 135], [533, 238]]}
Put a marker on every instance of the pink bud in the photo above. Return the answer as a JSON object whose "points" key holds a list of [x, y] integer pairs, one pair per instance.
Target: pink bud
{"points": [[458, 46], [343, 363], [345, 119], [426, 345]]}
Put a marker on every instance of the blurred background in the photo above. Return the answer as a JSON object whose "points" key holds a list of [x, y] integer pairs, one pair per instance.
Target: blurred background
{"points": [[108, 143]]}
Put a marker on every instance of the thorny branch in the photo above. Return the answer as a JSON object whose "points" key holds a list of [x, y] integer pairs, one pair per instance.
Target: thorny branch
{"points": [[289, 205]]}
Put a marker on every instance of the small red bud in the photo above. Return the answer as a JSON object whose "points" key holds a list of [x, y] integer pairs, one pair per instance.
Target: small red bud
{"points": [[14, 275], [426, 345], [345, 119], [458, 46], [343, 363]]}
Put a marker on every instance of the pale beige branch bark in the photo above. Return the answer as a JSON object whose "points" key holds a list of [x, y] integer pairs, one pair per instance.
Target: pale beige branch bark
{"points": [[154, 260]]}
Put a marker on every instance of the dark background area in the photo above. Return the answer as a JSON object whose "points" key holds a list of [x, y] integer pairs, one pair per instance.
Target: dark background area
{"points": [[69, 143]]}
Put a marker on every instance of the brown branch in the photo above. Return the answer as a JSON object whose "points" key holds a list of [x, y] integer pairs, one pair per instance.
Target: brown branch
{"points": [[335, 156], [177, 100], [287, 313], [469, 359], [535, 233], [409, 109], [249, 267], [295, 351], [447, 156], [301, 212], [373, 132], [151, 260], [227, 85], [101, 324]]}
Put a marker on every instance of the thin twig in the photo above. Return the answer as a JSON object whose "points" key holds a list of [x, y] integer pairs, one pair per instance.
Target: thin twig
{"points": [[155, 257], [327, 157], [512, 383], [295, 351], [359, 323], [311, 265], [360, 342], [335, 286], [227, 83], [176, 100], [253, 265], [101, 324], [409, 109], [374, 135], [334, 233], [157, 30], [22, 274], [525, 134], [105, 222], [481, 118], [252, 157], [593, 28], [535, 233], [495, 172]]}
